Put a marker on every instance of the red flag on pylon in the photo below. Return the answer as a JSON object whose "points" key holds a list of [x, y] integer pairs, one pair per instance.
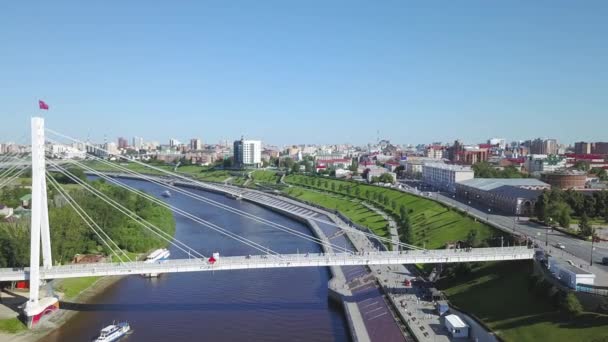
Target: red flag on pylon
{"points": [[43, 105]]}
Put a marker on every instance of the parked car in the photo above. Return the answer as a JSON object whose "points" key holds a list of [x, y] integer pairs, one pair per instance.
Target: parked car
{"points": [[605, 260]]}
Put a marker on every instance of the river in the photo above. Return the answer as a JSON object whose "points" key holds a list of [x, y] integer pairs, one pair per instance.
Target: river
{"points": [[256, 305]]}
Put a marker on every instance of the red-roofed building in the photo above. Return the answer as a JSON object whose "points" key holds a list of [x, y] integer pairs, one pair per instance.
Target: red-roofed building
{"points": [[391, 165], [594, 160], [333, 163]]}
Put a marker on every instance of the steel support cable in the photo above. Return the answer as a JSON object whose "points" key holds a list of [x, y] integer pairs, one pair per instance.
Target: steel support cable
{"points": [[12, 178], [66, 194], [7, 161], [220, 205], [219, 189], [138, 219], [203, 222], [86, 218], [243, 213], [9, 170]]}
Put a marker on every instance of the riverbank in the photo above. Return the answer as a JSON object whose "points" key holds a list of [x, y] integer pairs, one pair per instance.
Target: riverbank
{"points": [[64, 315]]}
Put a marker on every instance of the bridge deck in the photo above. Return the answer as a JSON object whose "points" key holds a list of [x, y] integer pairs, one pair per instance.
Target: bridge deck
{"points": [[273, 261]]}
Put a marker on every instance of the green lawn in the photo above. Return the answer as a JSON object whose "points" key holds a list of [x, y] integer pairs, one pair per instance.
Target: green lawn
{"points": [[265, 176], [498, 293], [12, 325], [72, 287], [99, 166], [212, 176], [596, 221], [433, 223], [353, 210]]}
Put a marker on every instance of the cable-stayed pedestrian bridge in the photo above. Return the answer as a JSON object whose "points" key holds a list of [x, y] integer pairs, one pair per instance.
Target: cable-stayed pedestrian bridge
{"points": [[14, 165], [263, 261]]}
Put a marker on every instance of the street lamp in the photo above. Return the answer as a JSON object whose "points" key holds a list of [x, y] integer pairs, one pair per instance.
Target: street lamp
{"points": [[489, 211], [592, 241], [547, 232]]}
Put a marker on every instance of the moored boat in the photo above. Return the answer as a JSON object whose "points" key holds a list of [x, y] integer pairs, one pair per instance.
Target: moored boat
{"points": [[157, 256]]}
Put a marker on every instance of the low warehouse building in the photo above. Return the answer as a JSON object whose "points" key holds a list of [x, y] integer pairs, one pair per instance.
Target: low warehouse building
{"points": [[456, 326], [570, 275], [515, 196]]}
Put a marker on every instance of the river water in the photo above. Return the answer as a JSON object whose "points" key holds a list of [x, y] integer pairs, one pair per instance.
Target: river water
{"points": [[249, 305]]}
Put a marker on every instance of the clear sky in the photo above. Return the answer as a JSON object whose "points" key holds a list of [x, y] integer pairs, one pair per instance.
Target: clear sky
{"points": [[307, 71]]}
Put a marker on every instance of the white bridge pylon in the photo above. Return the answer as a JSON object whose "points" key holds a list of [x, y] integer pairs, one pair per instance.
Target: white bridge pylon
{"points": [[35, 307]]}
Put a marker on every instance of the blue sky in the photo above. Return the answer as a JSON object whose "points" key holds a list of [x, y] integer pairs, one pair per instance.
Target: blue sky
{"points": [[307, 71]]}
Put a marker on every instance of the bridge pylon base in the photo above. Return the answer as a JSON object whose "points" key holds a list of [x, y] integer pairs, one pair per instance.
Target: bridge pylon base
{"points": [[34, 312]]}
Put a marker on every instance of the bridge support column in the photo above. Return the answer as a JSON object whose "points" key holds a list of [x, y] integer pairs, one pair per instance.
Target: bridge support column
{"points": [[37, 307]]}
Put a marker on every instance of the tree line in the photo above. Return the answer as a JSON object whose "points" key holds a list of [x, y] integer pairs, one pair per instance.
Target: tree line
{"points": [[70, 235], [486, 170], [557, 206]]}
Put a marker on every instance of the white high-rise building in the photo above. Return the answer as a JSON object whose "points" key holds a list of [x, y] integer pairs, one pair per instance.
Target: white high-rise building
{"points": [[247, 153], [502, 143], [196, 144], [444, 176], [138, 143]]}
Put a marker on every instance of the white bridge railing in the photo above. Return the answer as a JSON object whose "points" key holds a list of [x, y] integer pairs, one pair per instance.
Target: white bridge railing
{"points": [[275, 261]]}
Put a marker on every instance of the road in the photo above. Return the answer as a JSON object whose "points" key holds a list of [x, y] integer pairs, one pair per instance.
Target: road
{"points": [[576, 250]]}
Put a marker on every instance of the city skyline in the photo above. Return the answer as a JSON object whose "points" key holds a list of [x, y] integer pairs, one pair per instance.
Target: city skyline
{"points": [[413, 72]]}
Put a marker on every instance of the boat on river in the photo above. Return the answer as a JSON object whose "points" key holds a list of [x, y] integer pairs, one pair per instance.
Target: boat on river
{"points": [[158, 256], [113, 332], [166, 194], [234, 196]]}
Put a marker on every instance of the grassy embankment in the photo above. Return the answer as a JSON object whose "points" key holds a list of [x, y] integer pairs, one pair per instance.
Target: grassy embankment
{"points": [[265, 177], [12, 325], [202, 173], [499, 294], [432, 223], [354, 210]]}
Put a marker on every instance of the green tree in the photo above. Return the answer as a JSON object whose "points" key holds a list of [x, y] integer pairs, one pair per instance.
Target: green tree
{"points": [[560, 212], [333, 186], [472, 237], [540, 208], [571, 304], [582, 165], [584, 227], [402, 211], [295, 168]]}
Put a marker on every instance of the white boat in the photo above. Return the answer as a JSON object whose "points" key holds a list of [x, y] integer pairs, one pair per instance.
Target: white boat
{"points": [[234, 196], [113, 332], [166, 194], [157, 256]]}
